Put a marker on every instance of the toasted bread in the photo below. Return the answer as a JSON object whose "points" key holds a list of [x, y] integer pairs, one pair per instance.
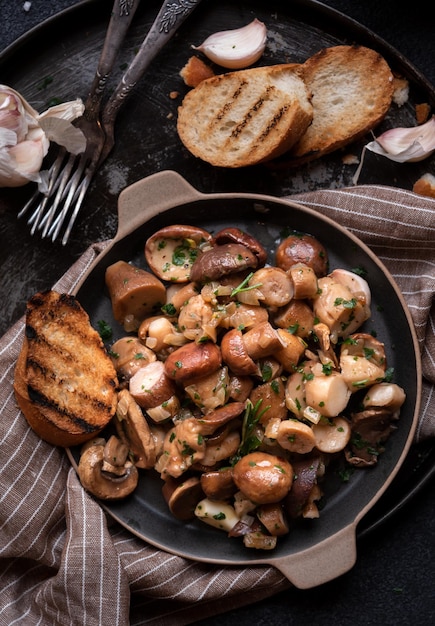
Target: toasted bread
{"points": [[245, 117], [352, 89], [65, 382]]}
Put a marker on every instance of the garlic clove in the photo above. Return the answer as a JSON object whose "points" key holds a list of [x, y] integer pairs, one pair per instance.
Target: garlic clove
{"points": [[406, 144], [237, 48]]}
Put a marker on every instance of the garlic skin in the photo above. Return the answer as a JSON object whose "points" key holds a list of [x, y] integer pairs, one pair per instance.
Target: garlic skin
{"points": [[237, 48], [406, 144], [25, 136]]}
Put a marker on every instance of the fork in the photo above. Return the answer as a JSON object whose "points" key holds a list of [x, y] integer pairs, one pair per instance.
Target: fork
{"points": [[70, 175]]}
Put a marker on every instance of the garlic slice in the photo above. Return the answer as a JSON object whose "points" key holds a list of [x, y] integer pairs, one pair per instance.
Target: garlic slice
{"points": [[406, 144], [237, 48]]}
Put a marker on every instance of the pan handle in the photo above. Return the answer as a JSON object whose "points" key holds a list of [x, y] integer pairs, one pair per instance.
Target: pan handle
{"points": [[149, 197], [322, 563]]}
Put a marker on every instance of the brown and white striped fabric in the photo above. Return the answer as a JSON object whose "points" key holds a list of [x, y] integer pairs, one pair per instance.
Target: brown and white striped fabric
{"points": [[63, 562]]}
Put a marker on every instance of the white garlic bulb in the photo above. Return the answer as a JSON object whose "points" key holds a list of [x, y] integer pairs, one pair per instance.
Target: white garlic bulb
{"points": [[238, 48]]}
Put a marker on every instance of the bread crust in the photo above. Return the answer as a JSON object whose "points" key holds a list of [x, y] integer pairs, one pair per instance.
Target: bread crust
{"points": [[245, 117], [352, 89], [64, 382]]}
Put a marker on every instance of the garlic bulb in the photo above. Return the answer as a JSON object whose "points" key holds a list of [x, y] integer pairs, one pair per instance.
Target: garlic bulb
{"points": [[406, 144], [237, 48], [25, 136]]}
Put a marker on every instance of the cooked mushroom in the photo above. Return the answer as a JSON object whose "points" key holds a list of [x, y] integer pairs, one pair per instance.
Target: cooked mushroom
{"points": [[151, 386], [271, 395], [235, 355], [302, 248], [184, 445], [262, 340], [215, 452], [171, 251], [337, 307], [332, 435], [262, 477], [274, 285], [159, 334], [297, 316], [296, 436], [193, 361], [216, 513], [291, 350], [304, 281], [235, 235], [241, 316], [213, 420], [134, 430], [218, 484], [306, 470], [183, 497], [356, 284], [272, 517], [328, 394], [239, 387], [196, 319], [134, 293], [106, 485], [128, 355], [386, 395], [221, 260], [370, 430], [210, 392]]}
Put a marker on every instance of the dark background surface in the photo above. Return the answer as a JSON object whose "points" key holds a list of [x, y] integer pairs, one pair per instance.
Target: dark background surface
{"points": [[393, 582]]}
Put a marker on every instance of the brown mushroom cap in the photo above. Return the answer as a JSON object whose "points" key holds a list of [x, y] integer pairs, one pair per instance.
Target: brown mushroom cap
{"points": [[222, 260], [262, 477], [182, 496], [235, 355], [235, 235], [302, 248], [218, 484], [150, 385], [193, 361]]}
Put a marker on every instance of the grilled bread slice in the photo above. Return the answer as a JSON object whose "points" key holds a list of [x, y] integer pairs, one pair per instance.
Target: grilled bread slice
{"points": [[352, 89], [245, 117], [65, 382]]}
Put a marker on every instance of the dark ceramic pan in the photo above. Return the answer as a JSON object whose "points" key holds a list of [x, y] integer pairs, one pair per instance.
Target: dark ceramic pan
{"points": [[317, 550]]}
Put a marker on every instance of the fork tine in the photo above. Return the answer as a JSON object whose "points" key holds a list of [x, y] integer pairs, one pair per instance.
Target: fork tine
{"points": [[55, 227]]}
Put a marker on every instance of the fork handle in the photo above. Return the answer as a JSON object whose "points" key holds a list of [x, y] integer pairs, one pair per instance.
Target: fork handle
{"points": [[121, 17], [170, 17]]}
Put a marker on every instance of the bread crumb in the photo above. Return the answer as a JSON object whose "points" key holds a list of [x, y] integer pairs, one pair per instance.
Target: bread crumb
{"points": [[350, 159], [401, 90], [169, 116], [422, 112], [174, 95], [195, 71], [425, 185]]}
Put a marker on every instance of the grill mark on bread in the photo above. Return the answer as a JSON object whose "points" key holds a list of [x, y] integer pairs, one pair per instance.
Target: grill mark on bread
{"points": [[69, 376], [230, 103]]}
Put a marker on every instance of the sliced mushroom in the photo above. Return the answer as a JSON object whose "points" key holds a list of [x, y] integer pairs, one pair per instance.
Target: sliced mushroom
{"points": [[291, 351], [184, 446], [210, 392], [216, 513], [306, 470], [338, 308], [296, 436], [302, 248], [327, 394], [259, 541], [262, 477], [239, 387], [356, 284], [304, 281], [183, 497], [297, 317], [128, 355], [263, 340], [235, 355], [222, 260], [386, 395], [104, 484], [171, 251], [135, 431], [196, 319], [157, 333], [151, 386], [332, 435], [241, 316], [213, 420], [215, 452], [274, 285], [133, 291]]}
